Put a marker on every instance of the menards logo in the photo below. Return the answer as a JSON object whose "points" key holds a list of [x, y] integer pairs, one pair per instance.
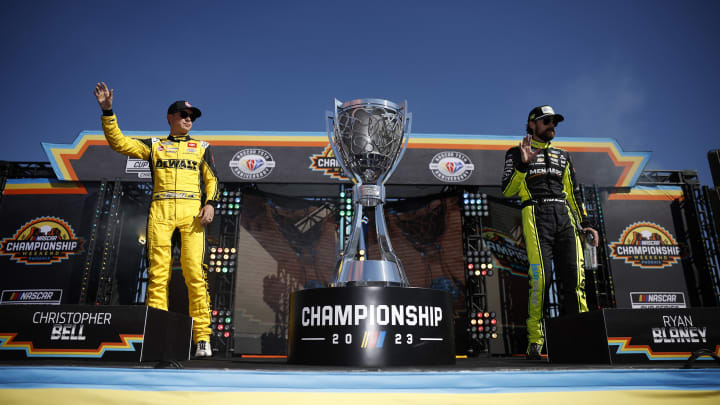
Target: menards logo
{"points": [[327, 163]]}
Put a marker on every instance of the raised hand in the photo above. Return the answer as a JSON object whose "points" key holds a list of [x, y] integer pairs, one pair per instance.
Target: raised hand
{"points": [[104, 96], [526, 151]]}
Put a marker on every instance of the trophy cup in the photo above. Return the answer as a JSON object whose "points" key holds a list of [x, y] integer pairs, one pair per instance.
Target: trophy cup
{"points": [[369, 137]]}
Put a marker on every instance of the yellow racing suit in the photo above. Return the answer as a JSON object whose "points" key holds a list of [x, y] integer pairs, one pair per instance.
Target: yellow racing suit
{"points": [[177, 163], [552, 211]]}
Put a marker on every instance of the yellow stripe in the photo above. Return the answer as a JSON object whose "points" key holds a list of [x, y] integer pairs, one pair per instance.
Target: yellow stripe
{"points": [[95, 396], [365, 338]]}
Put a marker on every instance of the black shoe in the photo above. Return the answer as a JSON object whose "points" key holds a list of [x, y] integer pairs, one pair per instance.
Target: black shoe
{"points": [[533, 352]]}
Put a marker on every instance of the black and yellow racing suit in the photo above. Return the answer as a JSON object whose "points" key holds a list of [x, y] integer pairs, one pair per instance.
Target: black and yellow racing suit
{"points": [[551, 206], [177, 163]]}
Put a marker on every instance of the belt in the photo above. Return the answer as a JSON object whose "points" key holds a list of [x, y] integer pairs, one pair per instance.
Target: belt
{"points": [[165, 195], [542, 201]]}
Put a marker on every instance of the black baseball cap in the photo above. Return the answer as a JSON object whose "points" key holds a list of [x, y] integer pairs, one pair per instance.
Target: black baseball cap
{"points": [[542, 112], [181, 105]]}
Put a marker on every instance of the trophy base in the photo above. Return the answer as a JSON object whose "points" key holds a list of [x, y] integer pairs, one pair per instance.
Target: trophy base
{"points": [[371, 327]]}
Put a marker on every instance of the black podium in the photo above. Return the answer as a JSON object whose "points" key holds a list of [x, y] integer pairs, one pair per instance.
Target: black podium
{"points": [[113, 333], [371, 327], [614, 336]]}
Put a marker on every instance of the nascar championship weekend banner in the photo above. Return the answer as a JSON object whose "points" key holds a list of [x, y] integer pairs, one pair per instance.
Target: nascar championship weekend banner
{"points": [[43, 237], [644, 249]]}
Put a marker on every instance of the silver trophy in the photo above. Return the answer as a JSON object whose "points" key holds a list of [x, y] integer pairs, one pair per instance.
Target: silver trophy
{"points": [[369, 137]]}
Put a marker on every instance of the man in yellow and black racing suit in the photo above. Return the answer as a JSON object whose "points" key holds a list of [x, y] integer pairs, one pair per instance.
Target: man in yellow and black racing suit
{"points": [[177, 164], [552, 211]]}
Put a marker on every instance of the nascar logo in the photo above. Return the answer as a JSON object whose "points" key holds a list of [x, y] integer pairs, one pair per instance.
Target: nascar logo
{"points": [[31, 297], [373, 339]]}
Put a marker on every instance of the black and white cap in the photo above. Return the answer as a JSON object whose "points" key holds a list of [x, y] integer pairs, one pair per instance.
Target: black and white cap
{"points": [[542, 112]]}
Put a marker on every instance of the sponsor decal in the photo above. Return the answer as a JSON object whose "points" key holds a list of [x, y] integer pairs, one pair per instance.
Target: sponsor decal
{"points": [[252, 164], [326, 163], [535, 290], [139, 166], [176, 164], [646, 245], [657, 300], [451, 166], [22, 297], [43, 240], [509, 253]]}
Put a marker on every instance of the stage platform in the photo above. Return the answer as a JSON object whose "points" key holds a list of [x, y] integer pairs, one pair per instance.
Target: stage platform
{"points": [[506, 380]]}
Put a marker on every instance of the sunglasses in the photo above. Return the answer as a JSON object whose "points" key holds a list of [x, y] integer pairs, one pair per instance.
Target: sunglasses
{"points": [[548, 120], [185, 114]]}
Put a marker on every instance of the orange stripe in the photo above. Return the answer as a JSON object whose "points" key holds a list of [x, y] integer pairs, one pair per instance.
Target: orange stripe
{"points": [[269, 143], [626, 346], [263, 356], [10, 343], [76, 190], [460, 146], [66, 158], [621, 196]]}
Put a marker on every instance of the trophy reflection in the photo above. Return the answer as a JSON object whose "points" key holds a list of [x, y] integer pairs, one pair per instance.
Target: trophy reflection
{"points": [[369, 137]]}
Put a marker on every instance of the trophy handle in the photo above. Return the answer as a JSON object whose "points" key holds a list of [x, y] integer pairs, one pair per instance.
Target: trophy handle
{"points": [[407, 122], [330, 128]]}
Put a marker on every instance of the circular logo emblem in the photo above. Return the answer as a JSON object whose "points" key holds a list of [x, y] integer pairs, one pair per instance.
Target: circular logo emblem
{"points": [[252, 164], [451, 167]]}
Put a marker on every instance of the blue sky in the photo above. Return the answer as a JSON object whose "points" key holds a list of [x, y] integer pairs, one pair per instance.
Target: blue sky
{"points": [[642, 72]]}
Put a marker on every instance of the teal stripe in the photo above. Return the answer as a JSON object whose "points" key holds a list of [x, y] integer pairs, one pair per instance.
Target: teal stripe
{"points": [[466, 382]]}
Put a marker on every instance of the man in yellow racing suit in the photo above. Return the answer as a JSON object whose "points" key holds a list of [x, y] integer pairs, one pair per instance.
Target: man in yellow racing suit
{"points": [[177, 163], [552, 211]]}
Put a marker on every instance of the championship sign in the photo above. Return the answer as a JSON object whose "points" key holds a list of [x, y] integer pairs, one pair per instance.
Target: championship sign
{"points": [[327, 164], [646, 245], [43, 240]]}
